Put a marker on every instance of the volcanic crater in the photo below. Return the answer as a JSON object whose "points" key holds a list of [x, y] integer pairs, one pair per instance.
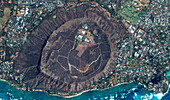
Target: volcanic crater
{"points": [[70, 50]]}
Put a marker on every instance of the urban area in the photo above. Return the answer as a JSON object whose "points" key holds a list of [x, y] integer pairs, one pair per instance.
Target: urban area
{"points": [[147, 22]]}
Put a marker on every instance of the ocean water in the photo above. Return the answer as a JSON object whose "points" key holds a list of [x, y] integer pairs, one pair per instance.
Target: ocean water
{"points": [[131, 91]]}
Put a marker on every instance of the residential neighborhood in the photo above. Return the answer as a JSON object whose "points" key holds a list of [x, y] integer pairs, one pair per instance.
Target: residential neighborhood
{"points": [[129, 37]]}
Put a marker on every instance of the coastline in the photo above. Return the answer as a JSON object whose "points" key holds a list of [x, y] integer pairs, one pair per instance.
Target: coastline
{"points": [[78, 94], [91, 90], [39, 90], [71, 96]]}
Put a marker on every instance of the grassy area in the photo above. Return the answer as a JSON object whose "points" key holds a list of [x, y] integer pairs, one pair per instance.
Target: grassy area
{"points": [[0, 23], [130, 14], [0, 20], [78, 42], [7, 11], [6, 16], [52, 18]]}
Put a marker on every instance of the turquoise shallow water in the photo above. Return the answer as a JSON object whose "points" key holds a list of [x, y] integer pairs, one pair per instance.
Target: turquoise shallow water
{"points": [[131, 91], [123, 92]]}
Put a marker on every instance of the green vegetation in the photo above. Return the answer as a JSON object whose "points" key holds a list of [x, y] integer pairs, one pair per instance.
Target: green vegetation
{"points": [[0, 23], [0, 20], [155, 31], [7, 12], [112, 11], [52, 18], [131, 14], [78, 42], [6, 16]]}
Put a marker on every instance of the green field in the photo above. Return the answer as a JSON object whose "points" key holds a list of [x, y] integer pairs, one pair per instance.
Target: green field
{"points": [[0, 20], [0, 23], [131, 14]]}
